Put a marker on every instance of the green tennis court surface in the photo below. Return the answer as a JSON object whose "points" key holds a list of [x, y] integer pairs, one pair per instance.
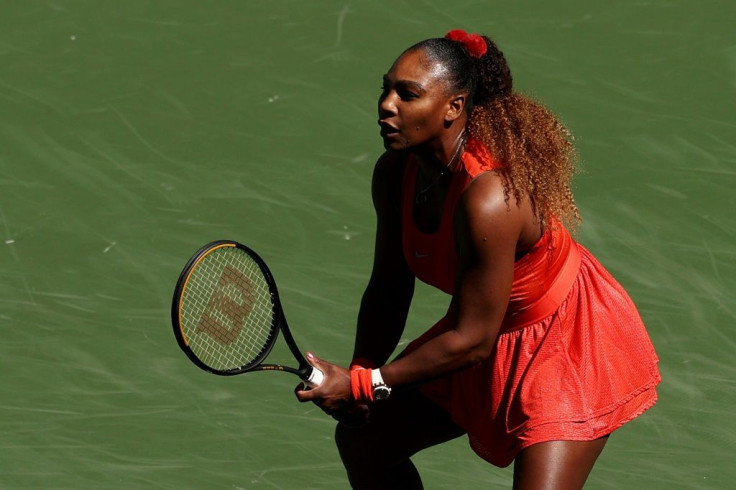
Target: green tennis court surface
{"points": [[133, 132]]}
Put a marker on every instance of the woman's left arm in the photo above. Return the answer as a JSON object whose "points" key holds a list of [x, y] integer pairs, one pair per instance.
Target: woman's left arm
{"points": [[487, 230]]}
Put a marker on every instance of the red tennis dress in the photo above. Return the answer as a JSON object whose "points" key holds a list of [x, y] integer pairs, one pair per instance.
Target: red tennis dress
{"points": [[572, 361]]}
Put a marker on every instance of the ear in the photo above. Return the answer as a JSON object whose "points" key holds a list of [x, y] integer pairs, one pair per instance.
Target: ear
{"points": [[456, 107]]}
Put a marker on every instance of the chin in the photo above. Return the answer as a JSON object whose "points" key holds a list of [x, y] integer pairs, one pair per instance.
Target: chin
{"points": [[396, 145], [392, 145]]}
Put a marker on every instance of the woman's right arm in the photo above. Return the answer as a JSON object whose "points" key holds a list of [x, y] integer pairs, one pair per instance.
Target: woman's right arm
{"points": [[385, 304]]}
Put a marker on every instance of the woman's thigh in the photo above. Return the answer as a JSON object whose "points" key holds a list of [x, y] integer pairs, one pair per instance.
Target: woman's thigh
{"points": [[397, 428], [556, 464]]}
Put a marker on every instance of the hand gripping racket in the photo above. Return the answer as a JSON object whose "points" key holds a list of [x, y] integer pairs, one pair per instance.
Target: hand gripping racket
{"points": [[227, 314]]}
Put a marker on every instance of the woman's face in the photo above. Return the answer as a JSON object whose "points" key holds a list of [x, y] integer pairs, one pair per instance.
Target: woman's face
{"points": [[414, 102]]}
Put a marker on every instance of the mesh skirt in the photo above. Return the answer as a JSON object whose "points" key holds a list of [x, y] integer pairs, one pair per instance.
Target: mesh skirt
{"points": [[578, 374]]}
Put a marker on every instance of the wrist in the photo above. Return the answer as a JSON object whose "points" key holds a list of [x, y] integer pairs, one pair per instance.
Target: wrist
{"points": [[361, 386], [367, 385], [379, 388], [362, 363]]}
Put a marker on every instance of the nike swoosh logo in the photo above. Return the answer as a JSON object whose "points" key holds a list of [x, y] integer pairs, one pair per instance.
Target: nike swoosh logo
{"points": [[420, 255]]}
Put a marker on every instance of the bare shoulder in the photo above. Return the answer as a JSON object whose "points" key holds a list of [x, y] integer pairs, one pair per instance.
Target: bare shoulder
{"points": [[485, 199], [486, 213], [389, 164], [387, 177]]}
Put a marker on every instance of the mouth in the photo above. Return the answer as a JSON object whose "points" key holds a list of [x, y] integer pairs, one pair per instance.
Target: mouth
{"points": [[387, 129]]}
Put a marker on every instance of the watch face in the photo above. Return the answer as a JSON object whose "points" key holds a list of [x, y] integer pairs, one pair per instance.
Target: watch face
{"points": [[381, 392]]}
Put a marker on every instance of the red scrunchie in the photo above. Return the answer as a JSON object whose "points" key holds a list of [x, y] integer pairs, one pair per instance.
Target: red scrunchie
{"points": [[474, 43]]}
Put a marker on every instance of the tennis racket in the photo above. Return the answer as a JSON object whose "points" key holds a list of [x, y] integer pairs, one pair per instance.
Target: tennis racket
{"points": [[227, 314]]}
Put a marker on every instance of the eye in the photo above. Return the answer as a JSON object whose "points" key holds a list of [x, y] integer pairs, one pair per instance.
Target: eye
{"points": [[407, 94], [404, 91]]}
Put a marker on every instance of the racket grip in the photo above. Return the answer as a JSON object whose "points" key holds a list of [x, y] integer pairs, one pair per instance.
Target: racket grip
{"points": [[315, 377]]}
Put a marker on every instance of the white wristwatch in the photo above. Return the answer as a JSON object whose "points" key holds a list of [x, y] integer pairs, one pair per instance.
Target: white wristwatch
{"points": [[380, 390]]}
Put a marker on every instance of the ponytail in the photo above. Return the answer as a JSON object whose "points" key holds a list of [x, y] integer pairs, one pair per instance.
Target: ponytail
{"points": [[535, 148], [494, 75]]}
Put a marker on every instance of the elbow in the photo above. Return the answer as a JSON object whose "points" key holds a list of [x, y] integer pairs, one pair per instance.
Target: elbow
{"points": [[475, 350], [479, 352]]}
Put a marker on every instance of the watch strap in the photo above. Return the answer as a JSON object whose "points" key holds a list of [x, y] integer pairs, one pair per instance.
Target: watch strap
{"points": [[376, 378]]}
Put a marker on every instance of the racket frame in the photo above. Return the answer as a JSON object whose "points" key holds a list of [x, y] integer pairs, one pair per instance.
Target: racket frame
{"points": [[304, 371]]}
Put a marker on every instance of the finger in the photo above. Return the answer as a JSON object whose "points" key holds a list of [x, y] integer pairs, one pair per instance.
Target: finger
{"points": [[302, 386], [305, 395]]}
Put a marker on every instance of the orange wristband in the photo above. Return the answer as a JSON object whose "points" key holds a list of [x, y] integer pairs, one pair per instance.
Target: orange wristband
{"points": [[361, 384]]}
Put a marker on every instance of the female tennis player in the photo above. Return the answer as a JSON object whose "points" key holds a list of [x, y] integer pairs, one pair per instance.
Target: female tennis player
{"points": [[541, 354]]}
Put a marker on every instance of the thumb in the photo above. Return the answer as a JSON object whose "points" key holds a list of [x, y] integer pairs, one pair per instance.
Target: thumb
{"points": [[318, 371], [312, 359], [304, 393]]}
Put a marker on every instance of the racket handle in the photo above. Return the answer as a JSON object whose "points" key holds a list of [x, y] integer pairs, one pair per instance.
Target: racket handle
{"points": [[315, 378]]}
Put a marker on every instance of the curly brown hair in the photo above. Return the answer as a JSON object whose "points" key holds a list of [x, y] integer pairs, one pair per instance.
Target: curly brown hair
{"points": [[535, 149], [537, 152]]}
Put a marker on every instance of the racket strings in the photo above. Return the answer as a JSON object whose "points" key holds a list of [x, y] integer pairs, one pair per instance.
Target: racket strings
{"points": [[228, 313]]}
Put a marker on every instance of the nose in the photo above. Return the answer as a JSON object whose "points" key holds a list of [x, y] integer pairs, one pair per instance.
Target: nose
{"points": [[387, 104]]}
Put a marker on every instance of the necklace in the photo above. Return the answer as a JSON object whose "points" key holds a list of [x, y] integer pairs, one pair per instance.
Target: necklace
{"points": [[421, 195]]}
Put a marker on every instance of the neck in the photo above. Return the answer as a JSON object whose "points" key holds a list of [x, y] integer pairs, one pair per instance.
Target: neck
{"points": [[445, 153]]}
